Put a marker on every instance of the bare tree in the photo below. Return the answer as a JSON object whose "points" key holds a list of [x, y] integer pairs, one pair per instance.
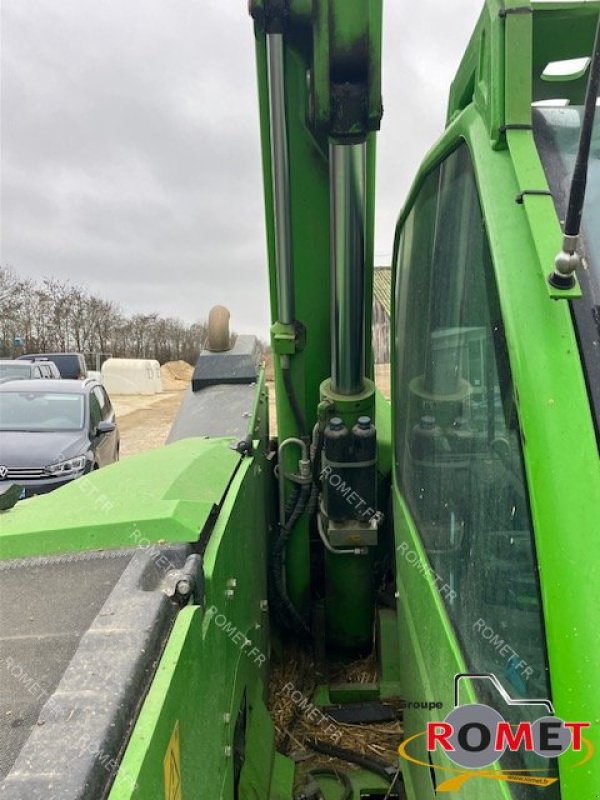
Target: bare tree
{"points": [[57, 316]]}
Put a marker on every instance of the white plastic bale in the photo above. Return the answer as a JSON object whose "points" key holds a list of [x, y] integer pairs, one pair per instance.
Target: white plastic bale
{"points": [[157, 378], [131, 376]]}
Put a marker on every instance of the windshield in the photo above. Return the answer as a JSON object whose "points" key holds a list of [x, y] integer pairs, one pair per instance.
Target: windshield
{"points": [[41, 411], [557, 133], [15, 370]]}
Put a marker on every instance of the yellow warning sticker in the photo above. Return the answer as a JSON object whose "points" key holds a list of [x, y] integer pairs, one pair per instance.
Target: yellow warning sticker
{"points": [[172, 767]]}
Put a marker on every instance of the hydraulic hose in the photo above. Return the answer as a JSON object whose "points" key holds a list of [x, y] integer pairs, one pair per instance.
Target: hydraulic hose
{"points": [[297, 502], [300, 501], [291, 502], [316, 465], [276, 598], [374, 765], [313, 502]]}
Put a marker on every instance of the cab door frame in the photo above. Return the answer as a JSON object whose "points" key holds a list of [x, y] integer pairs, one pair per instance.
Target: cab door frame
{"points": [[560, 457]]}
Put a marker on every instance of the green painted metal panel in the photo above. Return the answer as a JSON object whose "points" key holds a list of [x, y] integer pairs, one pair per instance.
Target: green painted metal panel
{"points": [[480, 76], [283, 778], [390, 653], [215, 661], [258, 772], [538, 208], [518, 31], [141, 773], [162, 495], [563, 470], [561, 461], [383, 415]]}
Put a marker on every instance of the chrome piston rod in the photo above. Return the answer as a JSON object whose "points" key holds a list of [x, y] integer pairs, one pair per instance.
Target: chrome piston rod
{"points": [[280, 179], [347, 184]]}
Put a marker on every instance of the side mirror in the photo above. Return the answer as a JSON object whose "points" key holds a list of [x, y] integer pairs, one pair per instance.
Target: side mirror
{"points": [[105, 427]]}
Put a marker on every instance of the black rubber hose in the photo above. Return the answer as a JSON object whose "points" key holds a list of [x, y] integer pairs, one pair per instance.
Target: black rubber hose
{"points": [[316, 465], [578, 184], [385, 771], [278, 564], [287, 613], [313, 502], [274, 597], [291, 502]]}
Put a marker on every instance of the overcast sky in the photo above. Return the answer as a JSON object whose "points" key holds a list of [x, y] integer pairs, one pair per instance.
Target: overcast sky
{"points": [[130, 151]]}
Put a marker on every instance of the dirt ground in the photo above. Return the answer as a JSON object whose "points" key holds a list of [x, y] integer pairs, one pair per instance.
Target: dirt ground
{"points": [[382, 379], [145, 420]]}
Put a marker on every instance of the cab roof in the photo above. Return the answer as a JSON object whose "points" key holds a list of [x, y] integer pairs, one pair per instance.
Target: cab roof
{"points": [[514, 41]]}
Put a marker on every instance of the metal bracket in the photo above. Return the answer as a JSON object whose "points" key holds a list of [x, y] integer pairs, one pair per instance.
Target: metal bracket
{"points": [[188, 582], [505, 12], [269, 15], [244, 447], [515, 127], [301, 480], [288, 339], [351, 533], [532, 192]]}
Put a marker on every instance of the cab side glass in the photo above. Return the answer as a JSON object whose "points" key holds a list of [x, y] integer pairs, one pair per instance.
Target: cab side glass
{"points": [[458, 447]]}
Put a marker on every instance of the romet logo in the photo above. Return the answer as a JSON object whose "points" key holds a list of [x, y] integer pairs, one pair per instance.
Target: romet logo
{"points": [[475, 736]]}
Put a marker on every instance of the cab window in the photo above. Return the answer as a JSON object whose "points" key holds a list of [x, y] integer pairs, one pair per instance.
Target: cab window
{"points": [[458, 447]]}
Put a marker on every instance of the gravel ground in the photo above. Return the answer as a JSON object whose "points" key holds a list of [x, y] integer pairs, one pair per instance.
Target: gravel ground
{"points": [[382, 379]]}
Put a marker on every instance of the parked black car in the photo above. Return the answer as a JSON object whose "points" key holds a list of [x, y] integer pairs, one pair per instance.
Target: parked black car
{"points": [[14, 368], [70, 365], [54, 431]]}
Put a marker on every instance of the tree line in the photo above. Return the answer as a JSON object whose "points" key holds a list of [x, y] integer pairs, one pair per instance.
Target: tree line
{"points": [[50, 315]]}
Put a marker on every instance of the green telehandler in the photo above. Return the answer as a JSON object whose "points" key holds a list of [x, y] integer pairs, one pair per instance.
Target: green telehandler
{"points": [[386, 600]]}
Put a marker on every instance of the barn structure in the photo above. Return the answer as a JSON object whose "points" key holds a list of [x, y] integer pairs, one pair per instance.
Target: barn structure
{"points": [[382, 306]]}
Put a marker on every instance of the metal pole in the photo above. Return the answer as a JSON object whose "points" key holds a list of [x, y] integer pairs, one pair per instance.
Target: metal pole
{"points": [[281, 180], [347, 182]]}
